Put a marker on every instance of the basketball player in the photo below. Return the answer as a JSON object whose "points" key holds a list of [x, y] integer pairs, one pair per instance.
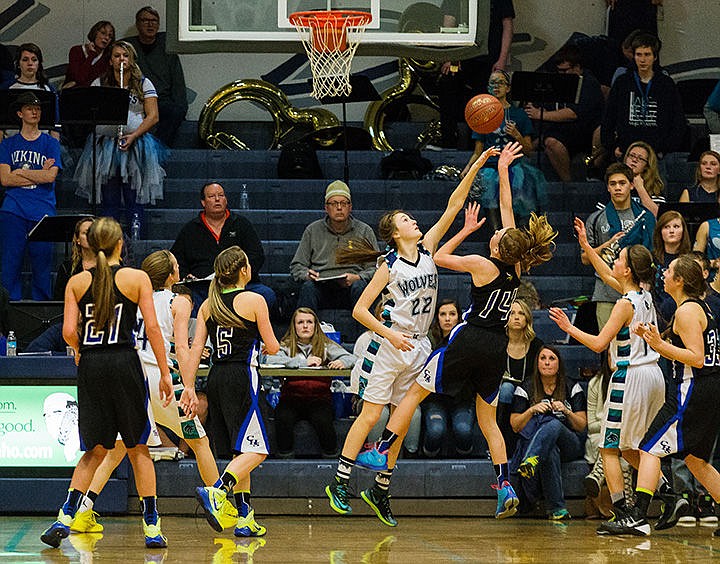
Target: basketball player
{"points": [[688, 423], [474, 358], [637, 386], [100, 311], [235, 319], [173, 314]]}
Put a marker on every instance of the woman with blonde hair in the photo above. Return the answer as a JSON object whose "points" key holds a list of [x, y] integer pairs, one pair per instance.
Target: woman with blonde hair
{"points": [[641, 158], [98, 323], [81, 257], [475, 357], [129, 159], [303, 345], [707, 180], [235, 319]]}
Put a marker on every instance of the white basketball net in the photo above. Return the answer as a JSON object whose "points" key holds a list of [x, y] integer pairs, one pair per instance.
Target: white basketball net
{"points": [[330, 44]]}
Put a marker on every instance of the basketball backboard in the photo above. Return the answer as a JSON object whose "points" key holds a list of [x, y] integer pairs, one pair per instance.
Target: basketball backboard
{"points": [[398, 27]]}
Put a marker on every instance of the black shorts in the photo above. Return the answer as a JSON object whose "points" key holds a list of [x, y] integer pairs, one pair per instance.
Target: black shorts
{"points": [[473, 363], [112, 398], [229, 402], [688, 422]]}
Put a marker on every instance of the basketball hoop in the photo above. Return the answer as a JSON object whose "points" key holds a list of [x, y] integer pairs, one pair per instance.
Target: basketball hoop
{"points": [[330, 39]]}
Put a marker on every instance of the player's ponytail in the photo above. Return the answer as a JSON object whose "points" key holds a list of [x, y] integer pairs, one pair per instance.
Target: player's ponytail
{"points": [[103, 237], [362, 251], [531, 246], [228, 265]]}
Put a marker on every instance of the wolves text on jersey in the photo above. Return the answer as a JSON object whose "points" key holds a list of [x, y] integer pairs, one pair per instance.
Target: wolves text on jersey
{"points": [[411, 285]]}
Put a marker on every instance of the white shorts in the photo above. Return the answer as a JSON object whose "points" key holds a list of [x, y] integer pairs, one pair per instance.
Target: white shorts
{"points": [[169, 416], [384, 374], [635, 395]]}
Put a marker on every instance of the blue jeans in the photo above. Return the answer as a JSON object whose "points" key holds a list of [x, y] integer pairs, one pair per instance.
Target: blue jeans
{"points": [[115, 192], [13, 233], [553, 443], [506, 393], [437, 412], [329, 295]]}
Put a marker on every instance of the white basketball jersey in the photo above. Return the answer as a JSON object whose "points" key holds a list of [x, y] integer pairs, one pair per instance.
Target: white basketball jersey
{"points": [[410, 295], [163, 302], [627, 347]]}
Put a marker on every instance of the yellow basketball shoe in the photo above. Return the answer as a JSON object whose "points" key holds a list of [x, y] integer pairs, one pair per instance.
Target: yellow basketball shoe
{"points": [[228, 515], [86, 522]]}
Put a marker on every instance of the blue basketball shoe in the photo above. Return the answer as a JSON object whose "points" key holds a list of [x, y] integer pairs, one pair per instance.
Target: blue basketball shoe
{"points": [[507, 500], [371, 458], [58, 531]]}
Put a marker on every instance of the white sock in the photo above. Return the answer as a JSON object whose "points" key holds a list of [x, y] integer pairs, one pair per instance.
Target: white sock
{"points": [[85, 505]]}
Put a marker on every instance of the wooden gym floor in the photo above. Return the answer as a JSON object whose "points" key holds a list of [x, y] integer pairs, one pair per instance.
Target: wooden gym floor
{"points": [[339, 540]]}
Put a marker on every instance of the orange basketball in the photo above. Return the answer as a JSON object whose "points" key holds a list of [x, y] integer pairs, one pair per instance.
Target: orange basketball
{"points": [[484, 113]]}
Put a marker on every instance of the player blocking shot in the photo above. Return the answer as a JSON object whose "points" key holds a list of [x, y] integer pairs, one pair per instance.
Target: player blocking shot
{"points": [[474, 358]]}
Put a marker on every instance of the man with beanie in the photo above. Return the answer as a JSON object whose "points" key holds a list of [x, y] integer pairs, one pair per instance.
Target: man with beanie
{"points": [[325, 283]]}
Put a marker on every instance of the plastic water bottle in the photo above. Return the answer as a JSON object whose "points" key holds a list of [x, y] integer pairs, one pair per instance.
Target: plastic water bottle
{"points": [[244, 198], [11, 344], [135, 227]]}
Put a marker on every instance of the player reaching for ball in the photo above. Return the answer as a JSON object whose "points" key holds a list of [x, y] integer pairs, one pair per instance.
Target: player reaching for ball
{"points": [[527, 182], [474, 359], [406, 282]]}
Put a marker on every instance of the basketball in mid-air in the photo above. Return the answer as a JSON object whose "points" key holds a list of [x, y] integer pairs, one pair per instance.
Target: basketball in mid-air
{"points": [[484, 113]]}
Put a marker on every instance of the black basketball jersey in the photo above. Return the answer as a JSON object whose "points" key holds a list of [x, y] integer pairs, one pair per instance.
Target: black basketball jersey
{"points": [[491, 303], [232, 344], [120, 330], [711, 367]]}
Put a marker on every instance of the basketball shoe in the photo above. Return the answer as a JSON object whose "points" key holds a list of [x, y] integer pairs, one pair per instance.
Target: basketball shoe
{"points": [[371, 458], [507, 500], [339, 495], [528, 466], [212, 501], [153, 535], [86, 522], [673, 507], [228, 515], [633, 523], [58, 531], [617, 514], [248, 527], [380, 504]]}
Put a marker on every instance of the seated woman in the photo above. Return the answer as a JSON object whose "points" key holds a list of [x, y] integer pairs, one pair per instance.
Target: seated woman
{"points": [[527, 182], [707, 180], [522, 351], [550, 415], [440, 411], [305, 345], [648, 185]]}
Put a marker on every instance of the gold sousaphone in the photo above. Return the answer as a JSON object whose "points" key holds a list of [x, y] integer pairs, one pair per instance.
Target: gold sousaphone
{"points": [[286, 118]]}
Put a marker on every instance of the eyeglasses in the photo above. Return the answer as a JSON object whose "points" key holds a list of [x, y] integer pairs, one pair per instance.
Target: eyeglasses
{"points": [[337, 204], [149, 21], [636, 157], [564, 69], [497, 83]]}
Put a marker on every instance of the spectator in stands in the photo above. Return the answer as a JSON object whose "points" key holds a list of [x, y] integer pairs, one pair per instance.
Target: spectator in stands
{"points": [[648, 185], [569, 128], [622, 222], [82, 258], [129, 159], [90, 60], [165, 71], [712, 110], [643, 105], [522, 351], [459, 81], [707, 180], [325, 284], [550, 414], [30, 75], [594, 482], [527, 182], [628, 15], [670, 240], [29, 164], [215, 229], [707, 240], [441, 412], [305, 345]]}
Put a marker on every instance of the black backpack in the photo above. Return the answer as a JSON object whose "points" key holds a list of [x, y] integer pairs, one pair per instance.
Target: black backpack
{"points": [[404, 164], [299, 160]]}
